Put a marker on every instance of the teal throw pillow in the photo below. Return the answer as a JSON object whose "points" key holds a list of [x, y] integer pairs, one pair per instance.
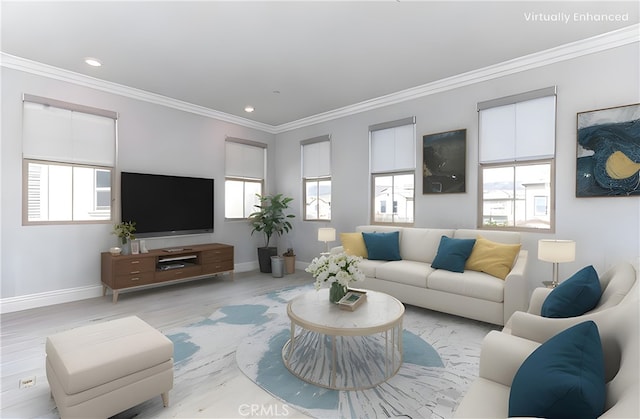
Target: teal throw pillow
{"points": [[382, 246], [452, 254], [574, 296], [563, 378]]}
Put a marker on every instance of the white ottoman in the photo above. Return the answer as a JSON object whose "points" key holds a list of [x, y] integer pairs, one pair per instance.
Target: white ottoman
{"points": [[102, 369]]}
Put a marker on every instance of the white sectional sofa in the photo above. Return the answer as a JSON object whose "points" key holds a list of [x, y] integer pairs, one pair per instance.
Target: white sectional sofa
{"points": [[472, 294]]}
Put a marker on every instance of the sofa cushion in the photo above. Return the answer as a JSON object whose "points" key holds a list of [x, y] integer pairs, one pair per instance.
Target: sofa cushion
{"points": [[353, 244], [470, 284], [452, 254], [407, 272], [421, 244], [382, 246], [563, 378], [574, 296], [493, 258], [369, 267]]}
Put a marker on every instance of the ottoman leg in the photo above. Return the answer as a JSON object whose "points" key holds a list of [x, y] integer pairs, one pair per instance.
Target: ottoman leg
{"points": [[165, 399]]}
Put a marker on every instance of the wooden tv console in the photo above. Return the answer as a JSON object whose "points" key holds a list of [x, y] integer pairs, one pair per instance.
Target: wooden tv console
{"points": [[164, 265]]}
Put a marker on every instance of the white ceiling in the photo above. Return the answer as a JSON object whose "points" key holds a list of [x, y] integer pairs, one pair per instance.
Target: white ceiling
{"points": [[290, 60]]}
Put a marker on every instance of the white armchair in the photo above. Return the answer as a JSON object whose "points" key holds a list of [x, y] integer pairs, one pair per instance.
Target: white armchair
{"points": [[617, 283], [502, 355]]}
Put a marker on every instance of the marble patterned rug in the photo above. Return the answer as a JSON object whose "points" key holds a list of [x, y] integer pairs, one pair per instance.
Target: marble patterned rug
{"points": [[441, 354]]}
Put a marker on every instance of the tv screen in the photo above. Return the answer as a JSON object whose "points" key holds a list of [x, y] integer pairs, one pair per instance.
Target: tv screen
{"points": [[162, 205]]}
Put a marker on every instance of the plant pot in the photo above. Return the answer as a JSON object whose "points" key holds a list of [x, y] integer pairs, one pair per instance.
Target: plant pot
{"points": [[264, 258], [289, 264]]}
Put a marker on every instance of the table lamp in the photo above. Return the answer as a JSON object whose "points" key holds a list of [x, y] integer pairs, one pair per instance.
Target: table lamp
{"points": [[556, 251], [326, 235]]}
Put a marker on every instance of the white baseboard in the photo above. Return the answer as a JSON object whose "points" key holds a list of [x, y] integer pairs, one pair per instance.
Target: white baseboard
{"points": [[49, 298], [43, 299]]}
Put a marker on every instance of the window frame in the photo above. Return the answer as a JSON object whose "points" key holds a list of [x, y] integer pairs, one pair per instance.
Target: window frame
{"points": [[316, 180], [394, 203], [244, 181], [33, 151], [25, 192], [393, 173], [515, 165], [517, 161], [244, 177], [316, 176]]}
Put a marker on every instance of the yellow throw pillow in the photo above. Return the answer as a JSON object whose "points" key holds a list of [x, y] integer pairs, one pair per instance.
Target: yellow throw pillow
{"points": [[493, 258], [353, 244]]}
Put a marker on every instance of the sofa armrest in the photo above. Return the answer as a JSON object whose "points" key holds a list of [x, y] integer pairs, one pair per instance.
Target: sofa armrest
{"points": [[537, 299], [501, 356], [516, 294], [540, 329]]}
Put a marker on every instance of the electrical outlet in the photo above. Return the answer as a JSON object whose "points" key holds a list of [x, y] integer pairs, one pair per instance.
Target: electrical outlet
{"points": [[28, 382]]}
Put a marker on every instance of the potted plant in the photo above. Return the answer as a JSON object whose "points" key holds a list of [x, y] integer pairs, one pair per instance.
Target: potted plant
{"points": [[125, 232], [270, 219], [289, 261]]}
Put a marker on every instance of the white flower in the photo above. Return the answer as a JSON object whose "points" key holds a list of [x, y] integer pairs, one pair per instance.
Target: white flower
{"points": [[341, 268]]}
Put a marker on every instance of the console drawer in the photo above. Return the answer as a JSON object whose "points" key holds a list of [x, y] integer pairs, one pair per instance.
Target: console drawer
{"points": [[222, 266], [178, 273], [134, 266], [217, 255], [133, 280]]}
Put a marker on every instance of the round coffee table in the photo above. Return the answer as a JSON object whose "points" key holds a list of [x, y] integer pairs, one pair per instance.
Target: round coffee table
{"points": [[340, 349]]}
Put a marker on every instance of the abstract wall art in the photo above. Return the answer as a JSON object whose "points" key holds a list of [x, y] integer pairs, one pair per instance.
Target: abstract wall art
{"points": [[444, 162], [608, 152]]}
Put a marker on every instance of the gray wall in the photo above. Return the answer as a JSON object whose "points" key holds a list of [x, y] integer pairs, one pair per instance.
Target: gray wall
{"points": [[606, 230], [62, 262], [65, 259]]}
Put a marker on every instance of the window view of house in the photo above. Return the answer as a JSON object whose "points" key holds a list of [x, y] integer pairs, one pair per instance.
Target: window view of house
{"points": [[517, 196], [517, 152], [316, 178], [317, 203], [393, 164], [394, 198], [245, 165]]}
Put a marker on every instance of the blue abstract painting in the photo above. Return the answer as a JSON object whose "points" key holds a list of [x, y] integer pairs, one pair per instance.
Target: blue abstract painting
{"points": [[608, 157]]}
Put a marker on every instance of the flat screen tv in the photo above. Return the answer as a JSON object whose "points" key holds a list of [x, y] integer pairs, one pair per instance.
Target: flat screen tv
{"points": [[162, 205]]}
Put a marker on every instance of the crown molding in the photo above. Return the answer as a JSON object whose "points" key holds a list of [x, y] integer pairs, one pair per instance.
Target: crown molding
{"points": [[610, 40], [45, 70]]}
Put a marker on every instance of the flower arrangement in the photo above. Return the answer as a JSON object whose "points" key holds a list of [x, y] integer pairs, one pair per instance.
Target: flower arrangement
{"points": [[339, 269], [125, 231]]}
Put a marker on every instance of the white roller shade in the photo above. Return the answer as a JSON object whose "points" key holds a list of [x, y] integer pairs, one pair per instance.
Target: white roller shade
{"points": [[316, 159], [244, 160], [52, 133], [393, 149], [518, 131]]}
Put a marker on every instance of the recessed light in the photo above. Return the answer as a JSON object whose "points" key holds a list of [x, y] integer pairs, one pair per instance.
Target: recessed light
{"points": [[93, 62], [249, 109]]}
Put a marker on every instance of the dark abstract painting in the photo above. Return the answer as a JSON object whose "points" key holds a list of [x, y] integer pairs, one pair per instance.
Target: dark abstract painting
{"points": [[444, 162], [608, 155]]}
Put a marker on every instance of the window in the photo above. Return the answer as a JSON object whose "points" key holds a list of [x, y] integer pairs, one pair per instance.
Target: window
{"points": [[244, 177], [316, 178], [393, 164], [69, 156], [517, 157]]}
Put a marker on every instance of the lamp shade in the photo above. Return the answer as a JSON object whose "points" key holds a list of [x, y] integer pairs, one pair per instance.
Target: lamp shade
{"points": [[326, 234], [557, 251]]}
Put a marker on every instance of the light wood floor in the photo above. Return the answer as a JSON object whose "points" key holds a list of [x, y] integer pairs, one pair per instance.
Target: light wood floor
{"points": [[23, 333]]}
